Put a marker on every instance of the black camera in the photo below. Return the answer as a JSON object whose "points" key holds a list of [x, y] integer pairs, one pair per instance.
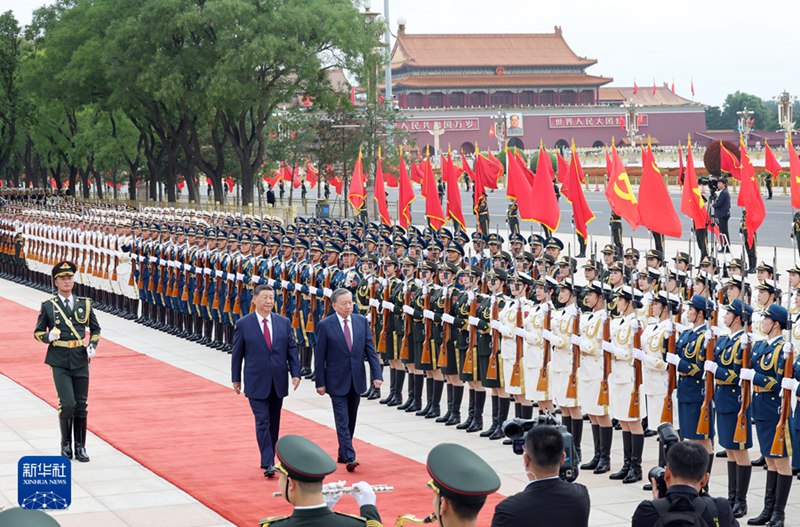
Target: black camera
{"points": [[517, 430], [667, 436]]}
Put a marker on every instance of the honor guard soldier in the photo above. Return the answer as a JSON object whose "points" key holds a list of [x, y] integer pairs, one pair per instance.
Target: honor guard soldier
{"points": [[302, 466], [390, 337], [419, 296], [615, 224], [464, 305], [461, 480], [750, 248], [517, 244], [512, 217], [796, 231], [62, 324], [483, 214], [766, 372], [536, 243], [655, 342], [490, 365], [478, 249]]}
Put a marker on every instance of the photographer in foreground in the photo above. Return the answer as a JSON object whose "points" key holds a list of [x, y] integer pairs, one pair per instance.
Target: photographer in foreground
{"points": [[686, 474], [547, 499]]}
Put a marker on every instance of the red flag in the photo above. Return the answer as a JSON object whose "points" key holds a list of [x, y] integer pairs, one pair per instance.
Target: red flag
{"points": [[794, 175], [749, 195], [728, 162], [620, 194], [417, 174], [692, 86], [692, 202], [673, 86], [654, 86], [406, 195], [450, 175], [545, 205], [609, 163], [391, 179], [582, 214], [681, 168], [353, 95], [563, 167], [635, 87], [380, 192], [181, 184], [337, 184], [477, 186], [209, 182], [296, 181], [655, 206], [488, 169], [312, 174], [771, 163], [433, 207], [517, 186], [491, 130], [230, 182], [357, 193]]}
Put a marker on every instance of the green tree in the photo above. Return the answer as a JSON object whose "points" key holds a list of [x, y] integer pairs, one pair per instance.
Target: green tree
{"points": [[763, 118], [9, 89]]}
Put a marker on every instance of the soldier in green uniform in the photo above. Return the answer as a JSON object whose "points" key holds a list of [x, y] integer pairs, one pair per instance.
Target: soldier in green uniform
{"points": [[62, 325], [461, 481], [512, 217], [302, 465]]}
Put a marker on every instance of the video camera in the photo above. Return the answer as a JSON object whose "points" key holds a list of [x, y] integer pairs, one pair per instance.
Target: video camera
{"points": [[667, 436], [517, 430]]}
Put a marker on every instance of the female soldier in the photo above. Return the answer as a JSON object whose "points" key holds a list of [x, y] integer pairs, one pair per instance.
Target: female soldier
{"points": [[416, 373], [533, 352], [655, 379]]}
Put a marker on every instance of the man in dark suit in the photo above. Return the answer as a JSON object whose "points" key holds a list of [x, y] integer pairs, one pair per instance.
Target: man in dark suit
{"points": [[547, 499], [265, 342], [722, 211], [344, 340]]}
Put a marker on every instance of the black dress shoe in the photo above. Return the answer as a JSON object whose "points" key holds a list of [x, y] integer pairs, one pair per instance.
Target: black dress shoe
{"points": [[376, 394], [341, 460], [269, 472], [721, 453], [351, 465], [650, 433]]}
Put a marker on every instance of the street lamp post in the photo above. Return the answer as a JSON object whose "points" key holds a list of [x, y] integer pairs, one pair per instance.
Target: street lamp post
{"points": [[631, 125], [785, 116], [500, 129], [745, 123]]}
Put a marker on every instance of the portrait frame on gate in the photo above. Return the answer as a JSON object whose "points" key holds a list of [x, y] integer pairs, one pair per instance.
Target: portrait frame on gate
{"points": [[514, 125]]}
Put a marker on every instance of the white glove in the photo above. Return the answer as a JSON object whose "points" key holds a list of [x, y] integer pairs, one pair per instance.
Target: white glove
{"points": [[711, 366], [408, 310], [495, 324], [382, 281], [448, 319], [387, 306], [54, 335], [219, 274], [790, 384], [787, 350], [256, 279], [90, 351], [271, 282], [332, 498], [373, 302], [207, 271], [548, 335], [427, 313], [717, 331], [638, 354], [747, 374], [635, 324], [545, 307], [298, 287], [607, 347], [652, 320], [672, 358], [327, 292], [239, 277], [707, 335], [744, 339], [576, 340], [470, 296], [284, 284], [473, 321], [680, 328], [313, 290], [519, 332], [365, 494]]}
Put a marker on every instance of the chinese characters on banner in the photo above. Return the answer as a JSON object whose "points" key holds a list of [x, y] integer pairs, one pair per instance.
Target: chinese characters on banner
{"points": [[421, 125], [587, 121]]}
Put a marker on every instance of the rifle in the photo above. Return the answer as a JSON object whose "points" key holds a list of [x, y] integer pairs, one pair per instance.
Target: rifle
{"points": [[105, 257], [602, 398], [491, 370], [151, 282], [742, 420], [404, 351], [237, 302], [442, 361], [544, 382], [206, 280], [572, 385], [426, 344], [186, 278], [312, 277], [373, 311], [114, 275], [704, 423], [217, 282], [469, 365], [634, 409], [226, 304], [285, 293], [516, 373], [779, 441], [140, 282], [327, 301], [298, 299], [385, 325]]}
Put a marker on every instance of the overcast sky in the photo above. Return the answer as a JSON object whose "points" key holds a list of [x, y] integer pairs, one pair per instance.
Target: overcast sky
{"points": [[724, 46]]}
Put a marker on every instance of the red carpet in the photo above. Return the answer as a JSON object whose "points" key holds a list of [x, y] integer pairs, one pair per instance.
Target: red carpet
{"points": [[196, 434]]}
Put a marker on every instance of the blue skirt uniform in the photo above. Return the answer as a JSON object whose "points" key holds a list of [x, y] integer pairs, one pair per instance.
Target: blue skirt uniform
{"points": [[691, 384], [728, 394], [768, 363]]}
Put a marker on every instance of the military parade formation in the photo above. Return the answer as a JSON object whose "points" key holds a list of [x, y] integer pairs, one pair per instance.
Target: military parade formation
{"points": [[627, 345]]}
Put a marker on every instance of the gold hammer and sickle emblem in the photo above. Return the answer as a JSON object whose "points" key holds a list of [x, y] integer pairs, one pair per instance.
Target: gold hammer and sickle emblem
{"points": [[626, 192]]}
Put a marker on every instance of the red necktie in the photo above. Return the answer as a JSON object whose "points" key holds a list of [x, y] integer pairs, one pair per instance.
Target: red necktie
{"points": [[267, 336], [347, 337]]}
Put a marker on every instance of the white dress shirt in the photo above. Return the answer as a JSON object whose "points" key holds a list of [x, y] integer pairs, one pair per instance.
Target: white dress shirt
{"points": [[349, 324], [68, 301], [269, 324]]}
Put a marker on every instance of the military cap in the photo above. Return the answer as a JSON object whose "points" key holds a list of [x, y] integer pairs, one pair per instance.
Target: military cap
{"points": [[704, 277], [372, 226], [615, 266], [496, 238], [333, 247], [273, 240], [414, 231], [734, 281], [349, 248], [736, 263], [384, 240], [291, 229], [302, 243], [302, 460], [369, 258], [416, 241], [460, 474], [592, 264], [475, 270], [455, 246], [632, 253], [461, 237], [741, 309], [399, 229], [257, 239], [794, 269], [16, 517], [179, 230], [299, 220], [353, 238], [701, 303], [768, 285], [550, 282], [597, 287], [548, 258], [210, 233], [678, 275], [521, 277], [477, 236], [516, 237], [450, 267], [527, 255], [391, 259], [407, 260], [257, 225], [385, 230], [499, 274], [503, 255], [316, 245], [63, 268], [778, 313], [683, 257], [654, 253], [708, 261], [191, 231], [444, 232], [278, 230], [370, 237], [668, 299], [429, 265], [429, 232], [399, 239], [535, 239], [567, 283], [654, 275], [233, 237], [609, 249], [221, 235], [568, 261], [303, 232], [435, 244], [552, 241], [245, 238], [629, 293]]}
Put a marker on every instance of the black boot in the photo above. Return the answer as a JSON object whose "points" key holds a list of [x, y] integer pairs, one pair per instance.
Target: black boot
{"points": [[592, 463], [626, 452], [455, 415], [398, 392], [392, 386], [743, 474], [477, 419], [637, 447], [606, 437], [710, 466], [66, 437], [79, 427], [782, 489], [495, 409], [416, 404], [429, 397], [503, 404], [471, 413], [732, 473], [769, 500], [446, 416], [760, 462], [412, 381], [577, 436], [435, 410]]}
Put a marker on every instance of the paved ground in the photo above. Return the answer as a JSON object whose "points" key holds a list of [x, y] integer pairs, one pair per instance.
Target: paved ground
{"points": [[114, 490]]}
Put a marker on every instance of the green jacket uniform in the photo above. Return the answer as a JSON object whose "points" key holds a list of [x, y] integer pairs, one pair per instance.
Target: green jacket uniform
{"points": [[69, 351], [323, 516]]}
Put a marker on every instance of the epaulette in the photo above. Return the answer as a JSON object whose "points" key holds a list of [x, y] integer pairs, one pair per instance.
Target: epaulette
{"points": [[368, 523], [271, 519]]}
